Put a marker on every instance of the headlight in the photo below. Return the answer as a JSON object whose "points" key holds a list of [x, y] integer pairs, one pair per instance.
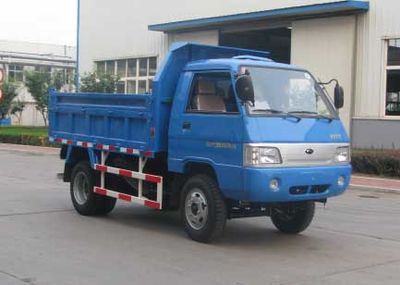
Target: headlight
{"points": [[259, 156], [342, 154]]}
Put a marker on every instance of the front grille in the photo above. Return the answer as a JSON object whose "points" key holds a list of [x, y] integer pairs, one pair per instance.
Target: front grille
{"points": [[298, 190], [312, 189], [317, 189]]}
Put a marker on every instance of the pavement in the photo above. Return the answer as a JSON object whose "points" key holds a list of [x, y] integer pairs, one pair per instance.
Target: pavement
{"points": [[375, 183], [354, 239], [28, 149]]}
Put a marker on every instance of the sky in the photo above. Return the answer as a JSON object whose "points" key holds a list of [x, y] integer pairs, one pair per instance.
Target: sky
{"points": [[43, 21]]}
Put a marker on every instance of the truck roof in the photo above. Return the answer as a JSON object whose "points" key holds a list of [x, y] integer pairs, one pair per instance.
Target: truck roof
{"points": [[235, 63]]}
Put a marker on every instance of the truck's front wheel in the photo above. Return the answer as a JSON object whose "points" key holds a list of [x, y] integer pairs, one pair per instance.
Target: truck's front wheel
{"points": [[85, 201], [293, 218], [203, 209]]}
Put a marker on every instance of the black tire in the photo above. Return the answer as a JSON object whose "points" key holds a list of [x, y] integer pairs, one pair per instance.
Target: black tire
{"points": [[293, 218], [87, 202], [214, 224]]}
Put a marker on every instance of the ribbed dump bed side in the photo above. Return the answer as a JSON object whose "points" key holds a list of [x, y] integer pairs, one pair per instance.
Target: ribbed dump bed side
{"points": [[104, 119]]}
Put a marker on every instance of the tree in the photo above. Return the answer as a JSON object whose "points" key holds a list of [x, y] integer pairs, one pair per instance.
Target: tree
{"points": [[99, 83], [17, 107], [38, 84], [9, 91], [58, 79]]}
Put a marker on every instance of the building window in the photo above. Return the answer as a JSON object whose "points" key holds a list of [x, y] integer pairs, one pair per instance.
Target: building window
{"points": [[110, 67], [135, 74], [15, 73], [132, 67], [121, 68], [393, 78], [101, 67], [65, 75], [131, 86], [44, 70], [120, 87]]}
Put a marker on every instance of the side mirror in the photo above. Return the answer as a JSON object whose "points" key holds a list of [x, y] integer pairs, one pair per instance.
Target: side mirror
{"points": [[339, 96], [245, 89]]}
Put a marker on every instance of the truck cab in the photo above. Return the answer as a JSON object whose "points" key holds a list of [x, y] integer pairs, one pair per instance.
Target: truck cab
{"points": [[287, 144], [226, 133]]}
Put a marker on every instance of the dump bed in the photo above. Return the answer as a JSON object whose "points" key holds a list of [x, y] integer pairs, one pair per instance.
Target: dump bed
{"points": [[104, 119], [129, 121]]}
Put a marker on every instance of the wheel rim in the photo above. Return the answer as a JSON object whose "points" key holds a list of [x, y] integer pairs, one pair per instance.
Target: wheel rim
{"points": [[81, 188], [196, 209]]}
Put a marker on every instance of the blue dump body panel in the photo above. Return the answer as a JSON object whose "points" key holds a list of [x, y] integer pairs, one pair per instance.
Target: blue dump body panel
{"points": [[110, 119], [127, 120]]}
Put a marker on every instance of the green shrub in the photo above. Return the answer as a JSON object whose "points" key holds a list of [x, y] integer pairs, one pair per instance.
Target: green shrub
{"points": [[23, 130], [377, 162], [25, 135], [26, 140]]}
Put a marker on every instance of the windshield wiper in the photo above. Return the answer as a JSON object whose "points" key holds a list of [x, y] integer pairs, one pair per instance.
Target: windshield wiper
{"points": [[274, 111], [319, 116]]}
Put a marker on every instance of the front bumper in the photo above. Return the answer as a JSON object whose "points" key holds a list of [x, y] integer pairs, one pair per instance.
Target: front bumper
{"points": [[315, 183]]}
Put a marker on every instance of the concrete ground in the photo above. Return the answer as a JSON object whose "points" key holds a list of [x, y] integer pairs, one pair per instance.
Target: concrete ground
{"points": [[355, 239]]}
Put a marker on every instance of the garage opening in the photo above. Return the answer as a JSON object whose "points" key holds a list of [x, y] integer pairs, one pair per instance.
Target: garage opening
{"points": [[276, 41]]}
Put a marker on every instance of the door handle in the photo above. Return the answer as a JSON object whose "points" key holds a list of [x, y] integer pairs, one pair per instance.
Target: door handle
{"points": [[186, 125]]}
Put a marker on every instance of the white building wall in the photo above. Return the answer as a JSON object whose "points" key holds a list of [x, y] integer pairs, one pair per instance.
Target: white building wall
{"points": [[380, 23], [326, 48], [204, 37], [110, 29], [119, 28]]}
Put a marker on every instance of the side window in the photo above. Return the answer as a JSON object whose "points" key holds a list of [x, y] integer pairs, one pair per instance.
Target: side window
{"points": [[212, 93]]}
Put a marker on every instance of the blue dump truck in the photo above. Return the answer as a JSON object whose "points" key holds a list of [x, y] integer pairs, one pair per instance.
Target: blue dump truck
{"points": [[226, 133]]}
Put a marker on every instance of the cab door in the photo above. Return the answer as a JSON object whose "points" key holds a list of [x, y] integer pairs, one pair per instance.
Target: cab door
{"points": [[207, 126]]}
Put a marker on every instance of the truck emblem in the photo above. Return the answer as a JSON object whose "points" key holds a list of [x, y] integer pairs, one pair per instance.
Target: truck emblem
{"points": [[335, 136], [309, 151]]}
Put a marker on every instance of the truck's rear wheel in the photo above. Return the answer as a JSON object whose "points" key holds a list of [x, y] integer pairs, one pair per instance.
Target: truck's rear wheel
{"points": [[203, 209], [293, 218], [85, 201]]}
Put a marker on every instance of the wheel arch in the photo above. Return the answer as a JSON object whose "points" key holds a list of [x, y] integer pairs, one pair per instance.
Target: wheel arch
{"points": [[73, 156], [191, 168]]}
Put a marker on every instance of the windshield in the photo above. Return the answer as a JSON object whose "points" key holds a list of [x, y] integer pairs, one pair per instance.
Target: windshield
{"points": [[287, 92]]}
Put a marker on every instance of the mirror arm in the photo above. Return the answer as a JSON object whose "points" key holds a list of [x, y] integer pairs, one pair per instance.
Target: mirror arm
{"points": [[329, 82]]}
